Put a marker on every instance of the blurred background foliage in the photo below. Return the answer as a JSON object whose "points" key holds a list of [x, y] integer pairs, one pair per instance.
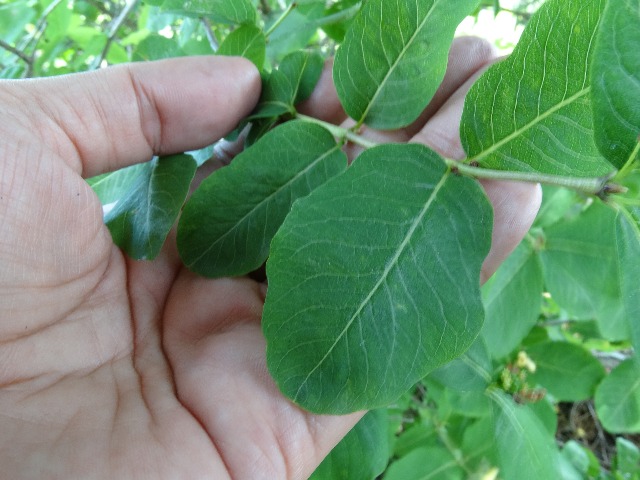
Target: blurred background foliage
{"points": [[55, 37]]}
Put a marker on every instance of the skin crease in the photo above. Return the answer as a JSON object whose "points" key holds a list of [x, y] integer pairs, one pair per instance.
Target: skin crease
{"points": [[112, 368]]}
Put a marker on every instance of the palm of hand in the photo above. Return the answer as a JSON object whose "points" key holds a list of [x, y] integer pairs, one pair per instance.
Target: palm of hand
{"points": [[112, 368]]}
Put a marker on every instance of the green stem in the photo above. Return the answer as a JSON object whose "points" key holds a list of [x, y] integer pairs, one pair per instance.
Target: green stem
{"points": [[626, 169], [282, 18], [339, 132], [590, 186]]}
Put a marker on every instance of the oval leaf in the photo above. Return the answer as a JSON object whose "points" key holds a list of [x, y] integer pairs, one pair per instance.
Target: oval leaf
{"points": [[374, 280], [512, 300], [394, 57], [532, 111], [627, 251], [227, 225], [141, 220], [616, 81], [567, 371], [526, 450], [617, 398], [247, 41], [222, 11]]}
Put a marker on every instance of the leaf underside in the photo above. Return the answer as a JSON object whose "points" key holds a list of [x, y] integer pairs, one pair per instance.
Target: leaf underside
{"points": [[531, 112], [227, 225], [616, 81], [374, 280], [394, 57]]}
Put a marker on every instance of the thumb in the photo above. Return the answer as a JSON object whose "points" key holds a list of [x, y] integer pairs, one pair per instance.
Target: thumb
{"points": [[108, 119]]}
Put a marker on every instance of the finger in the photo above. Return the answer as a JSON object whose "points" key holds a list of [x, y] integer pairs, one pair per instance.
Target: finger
{"points": [[214, 342], [323, 103], [467, 57], [515, 206], [112, 118]]}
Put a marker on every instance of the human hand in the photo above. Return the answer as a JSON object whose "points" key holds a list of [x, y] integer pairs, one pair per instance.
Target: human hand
{"points": [[111, 368]]}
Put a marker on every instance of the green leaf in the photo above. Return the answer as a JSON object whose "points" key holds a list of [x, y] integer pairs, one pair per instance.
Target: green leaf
{"points": [[617, 398], [531, 111], [581, 269], [110, 187], [156, 47], [141, 220], [347, 462], [627, 460], [291, 83], [616, 81], [227, 225], [375, 273], [512, 300], [394, 57], [581, 458], [472, 371], [296, 31], [220, 11], [627, 245], [525, 449], [567, 371], [430, 463], [246, 41]]}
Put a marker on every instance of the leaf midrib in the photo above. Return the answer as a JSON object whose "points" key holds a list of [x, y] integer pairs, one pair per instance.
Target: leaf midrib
{"points": [[265, 200], [391, 265], [519, 131], [397, 62]]}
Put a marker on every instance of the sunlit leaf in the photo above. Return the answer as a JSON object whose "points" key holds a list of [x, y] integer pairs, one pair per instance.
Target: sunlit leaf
{"points": [[223, 11], [227, 225], [374, 280], [531, 112], [247, 41], [394, 57], [616, 81], [140, 221], [617, 398]]}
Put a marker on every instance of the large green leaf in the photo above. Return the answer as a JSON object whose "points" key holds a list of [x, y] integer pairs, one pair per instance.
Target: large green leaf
{"points": [[617, 398], [374, 280], [227, 225], [581, 269], [512, 299], [394, 57], [141, 220], [246, 41], [347, 462], [531, 112], [525, 449], [569, 372], [112, 186], [616, 81], [222, 11]]}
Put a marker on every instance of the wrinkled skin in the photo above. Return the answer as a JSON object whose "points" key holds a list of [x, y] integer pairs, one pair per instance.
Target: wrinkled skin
{"points": [[112, 368]]}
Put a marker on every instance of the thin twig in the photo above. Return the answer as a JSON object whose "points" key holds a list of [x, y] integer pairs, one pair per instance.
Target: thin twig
{"points": [[115, 26], [19, 53], [213, 41]]}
